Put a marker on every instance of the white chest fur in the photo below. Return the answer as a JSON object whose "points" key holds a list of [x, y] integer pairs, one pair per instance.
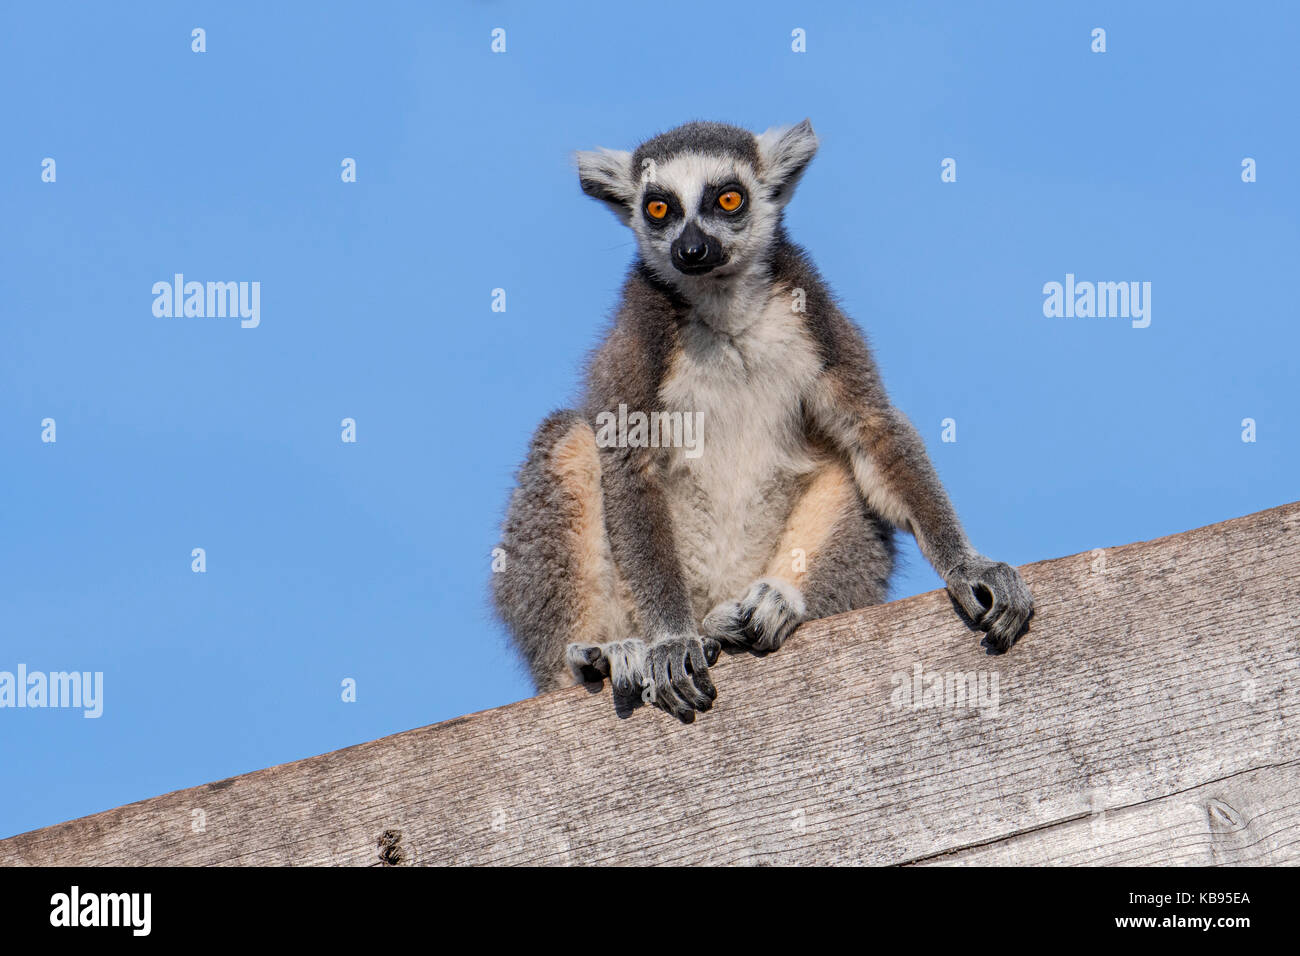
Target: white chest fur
{"points": [[729, 502]]}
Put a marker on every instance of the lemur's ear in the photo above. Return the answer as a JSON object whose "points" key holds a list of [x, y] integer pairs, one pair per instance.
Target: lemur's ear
{"points": [[606, 174], [786, 152]]}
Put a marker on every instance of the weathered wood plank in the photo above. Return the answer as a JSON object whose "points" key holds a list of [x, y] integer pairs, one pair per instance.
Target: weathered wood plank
{"points": [[1151, 671], [1248, 819]]}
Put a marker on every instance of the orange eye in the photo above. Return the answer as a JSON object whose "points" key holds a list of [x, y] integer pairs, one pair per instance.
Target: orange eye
{"points": [[730, 200], [656, 209]]}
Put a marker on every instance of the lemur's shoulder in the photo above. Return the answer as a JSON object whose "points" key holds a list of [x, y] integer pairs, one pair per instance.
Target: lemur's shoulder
{"points": [[840, 344]]}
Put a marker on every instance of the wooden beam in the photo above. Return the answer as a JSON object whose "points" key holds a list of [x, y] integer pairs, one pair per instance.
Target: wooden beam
{"points": [[1246, 819], [1151, 715]]}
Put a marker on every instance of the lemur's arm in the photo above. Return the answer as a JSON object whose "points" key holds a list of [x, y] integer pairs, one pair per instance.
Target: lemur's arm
{"points": [[641, 539], [640, 531], [891, 467]]}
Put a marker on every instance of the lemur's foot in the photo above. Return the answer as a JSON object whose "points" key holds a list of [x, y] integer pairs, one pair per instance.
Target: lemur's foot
{"points": [[770, 610], [623, 662], [672, 672], [994, 597]]}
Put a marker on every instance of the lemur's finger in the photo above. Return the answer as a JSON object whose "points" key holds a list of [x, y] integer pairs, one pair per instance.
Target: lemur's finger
{"points": [[666, 696], [698, 664], [994, 613], [677, 697], [688, 692], [722, 626], [963, 592], [712, 648], [1018, 626], [750, 605], [999, 640], [774, 620], [1010, 626], [686, 683], [587, 662]]}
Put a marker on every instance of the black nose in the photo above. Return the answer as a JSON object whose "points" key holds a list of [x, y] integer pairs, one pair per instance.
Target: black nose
{"points": [[693, 254], [695, 251]]}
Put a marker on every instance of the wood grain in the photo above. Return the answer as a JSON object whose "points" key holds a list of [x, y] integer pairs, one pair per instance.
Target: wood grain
{"points": [[1248, 819], [1149, 716]]}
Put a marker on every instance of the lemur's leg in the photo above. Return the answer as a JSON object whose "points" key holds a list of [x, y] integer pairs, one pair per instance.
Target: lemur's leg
{"points": [[834, 555], [559, 586]]}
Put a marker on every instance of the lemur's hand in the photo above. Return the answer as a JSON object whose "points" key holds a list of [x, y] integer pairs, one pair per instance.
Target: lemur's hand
{"points": [[994, 598], [761, 620], [631, 666], [677, 675]]}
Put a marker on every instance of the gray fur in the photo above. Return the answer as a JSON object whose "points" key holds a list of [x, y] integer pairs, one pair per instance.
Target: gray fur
{"points": [[802, 447], [715, 139]]}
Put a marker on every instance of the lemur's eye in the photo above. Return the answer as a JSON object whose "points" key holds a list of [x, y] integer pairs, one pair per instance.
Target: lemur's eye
{"points": [[730, 200], [656, 209]]}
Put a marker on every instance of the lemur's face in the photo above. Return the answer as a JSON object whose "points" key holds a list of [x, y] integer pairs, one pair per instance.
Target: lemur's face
{"points": [[700, 213], [704, 199]]}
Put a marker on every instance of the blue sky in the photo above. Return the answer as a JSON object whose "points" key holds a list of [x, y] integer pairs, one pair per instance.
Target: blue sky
{"points": [[370, 561]]}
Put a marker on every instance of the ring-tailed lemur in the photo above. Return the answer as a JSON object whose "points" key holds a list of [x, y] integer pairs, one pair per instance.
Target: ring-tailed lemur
{"points": [[628, 559]]}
